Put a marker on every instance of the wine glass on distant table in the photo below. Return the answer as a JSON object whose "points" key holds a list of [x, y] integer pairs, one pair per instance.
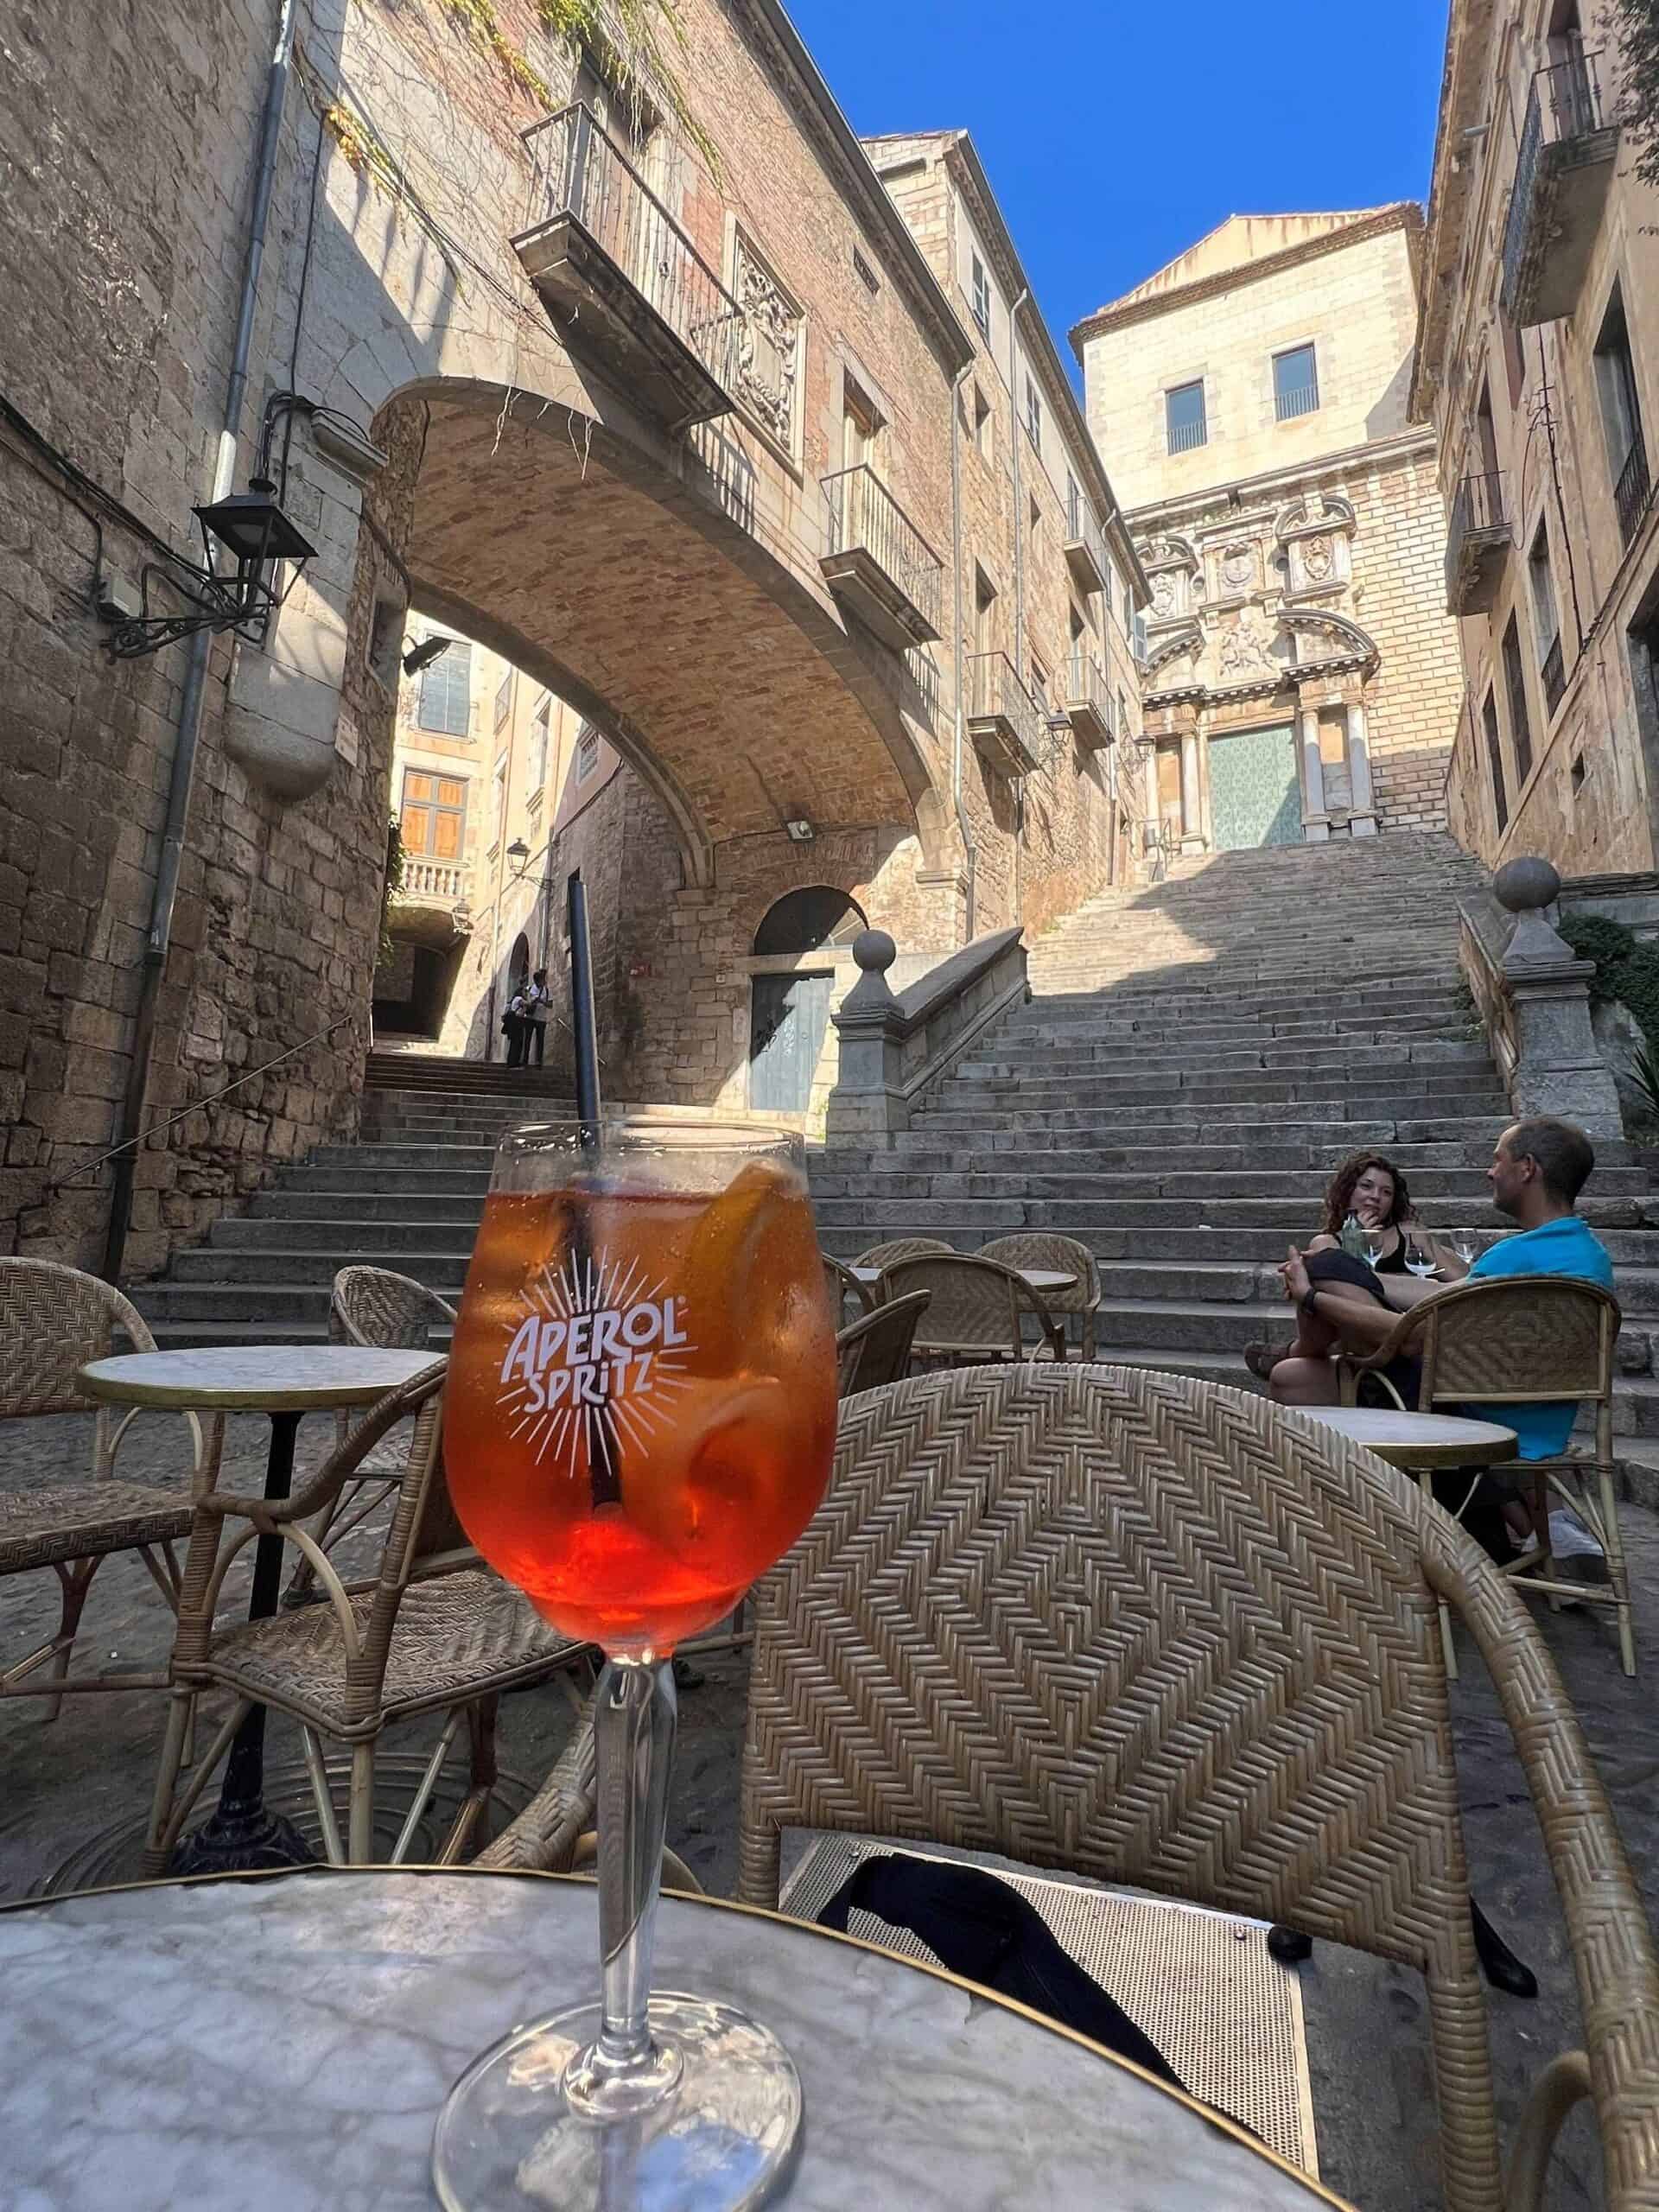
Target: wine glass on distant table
{"points": [[1463, 1243], [1419, 1260]]}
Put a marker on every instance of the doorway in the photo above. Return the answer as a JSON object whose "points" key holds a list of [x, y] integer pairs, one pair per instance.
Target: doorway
{"points": [[1255, 797], [789, 1016]]}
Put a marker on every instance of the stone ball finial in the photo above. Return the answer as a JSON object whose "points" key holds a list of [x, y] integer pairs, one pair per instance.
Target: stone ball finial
{"points": [[874, 951], [1523, 885]]}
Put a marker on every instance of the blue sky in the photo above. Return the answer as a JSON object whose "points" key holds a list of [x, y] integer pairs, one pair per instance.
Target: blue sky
{"points": [[1116, 134]]}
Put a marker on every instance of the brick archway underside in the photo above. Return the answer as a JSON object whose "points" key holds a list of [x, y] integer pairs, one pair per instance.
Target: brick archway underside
{"points": [[715, 671]]}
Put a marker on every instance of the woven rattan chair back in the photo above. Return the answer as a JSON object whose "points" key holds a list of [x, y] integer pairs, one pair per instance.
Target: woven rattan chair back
{"points": [[876, 1351], [1518, 1340], [391, 1312], [53, 1321], [1047, 1247], [975, 1305], [1167, 1634], [901, 1248], [848, 1295]]}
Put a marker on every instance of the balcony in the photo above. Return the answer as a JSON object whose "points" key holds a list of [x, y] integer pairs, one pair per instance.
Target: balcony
{"points": [[1633, 492], [1561, 176], [878, 565], [1002, 718], [433, 904], [1085, 545], [1476, 539], [1087, 700], [622, 283]]}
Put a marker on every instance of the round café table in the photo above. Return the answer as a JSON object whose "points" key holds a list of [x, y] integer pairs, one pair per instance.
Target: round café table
{"points": [[1417, 1443], [1043, 1280], [283, 2045], [285, 1382]]}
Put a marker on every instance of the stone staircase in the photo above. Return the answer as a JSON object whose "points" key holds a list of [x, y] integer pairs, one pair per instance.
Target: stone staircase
{"points": [[407, 1196], [1196, 1057]]}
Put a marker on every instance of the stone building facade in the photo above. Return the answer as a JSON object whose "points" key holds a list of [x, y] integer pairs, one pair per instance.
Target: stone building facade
{"points": [[1539, 358], [1301, 678], [523, 357]]}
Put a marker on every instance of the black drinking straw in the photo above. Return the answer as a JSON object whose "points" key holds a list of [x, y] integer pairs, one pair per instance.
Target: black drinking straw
{"points": [[581, 1013], [602, 1474]]}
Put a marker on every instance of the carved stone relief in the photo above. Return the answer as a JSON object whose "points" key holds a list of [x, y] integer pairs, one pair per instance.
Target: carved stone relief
{"points": [[1244, 648], [769, 344]]}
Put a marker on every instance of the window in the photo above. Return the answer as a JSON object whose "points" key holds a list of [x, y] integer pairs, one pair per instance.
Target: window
{"points": [[982, 421], [1033, 413], [866, 274], [1123, 713], [1514, 684], [1621, 419], [984, 614], [1515, 360], [860, 428], [444, 701], [587, 754], [500, 801], [981, 297], [1184, 418], [504, 699], [1036, 523], [1545, 620], [1295, 382], [1039, 686], [1495, 761], [433, 816], [540, 722]]}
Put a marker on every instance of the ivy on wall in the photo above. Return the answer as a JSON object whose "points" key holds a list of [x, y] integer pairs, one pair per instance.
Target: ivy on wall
{"points": [[1627, 970]]}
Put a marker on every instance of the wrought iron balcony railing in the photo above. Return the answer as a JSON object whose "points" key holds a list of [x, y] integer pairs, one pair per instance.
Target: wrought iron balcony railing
{"points": [[618, 276], [878, 562], [1087, 702], [1633, 493], [1185, 437], [1303, 399], [1477, 536], [1002, 717], [1085, 544], [1562, 174]]}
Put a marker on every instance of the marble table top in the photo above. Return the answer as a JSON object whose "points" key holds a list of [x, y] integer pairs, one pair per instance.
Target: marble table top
{"points": [[283, 2045], [1039, 1279], [1417, 1439], [254, 1378]]}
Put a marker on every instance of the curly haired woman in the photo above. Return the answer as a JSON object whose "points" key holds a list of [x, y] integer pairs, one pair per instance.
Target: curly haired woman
{"points": [[1368, 1185]]}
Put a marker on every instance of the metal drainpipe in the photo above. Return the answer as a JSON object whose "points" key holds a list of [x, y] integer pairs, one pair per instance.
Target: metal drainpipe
{"points": [[187, 730], [964, 830]]}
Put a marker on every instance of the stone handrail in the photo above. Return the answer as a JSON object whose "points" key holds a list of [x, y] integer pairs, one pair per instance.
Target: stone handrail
{"points": [[893, 1049], [1532, 994]]}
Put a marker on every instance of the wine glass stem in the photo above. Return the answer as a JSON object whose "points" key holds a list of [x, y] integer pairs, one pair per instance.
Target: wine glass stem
{"points": [[634, 1724]]}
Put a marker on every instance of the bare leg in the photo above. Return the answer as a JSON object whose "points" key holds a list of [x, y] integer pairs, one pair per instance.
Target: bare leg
{"points": [[1302, 1381]]}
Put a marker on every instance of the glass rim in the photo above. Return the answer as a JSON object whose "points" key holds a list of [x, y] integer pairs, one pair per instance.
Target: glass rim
{"points": [[672, 1128]]}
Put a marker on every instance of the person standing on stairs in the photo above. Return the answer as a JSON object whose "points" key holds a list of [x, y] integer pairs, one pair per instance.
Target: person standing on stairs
{"points": [[536, 998], [515, 1028]]}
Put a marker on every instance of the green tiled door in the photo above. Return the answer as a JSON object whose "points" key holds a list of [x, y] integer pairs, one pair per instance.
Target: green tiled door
{"points": [[1255, 799]]}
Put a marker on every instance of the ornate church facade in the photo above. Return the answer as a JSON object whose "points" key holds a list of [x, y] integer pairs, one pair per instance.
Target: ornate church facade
{"points": [[1300, 679]]}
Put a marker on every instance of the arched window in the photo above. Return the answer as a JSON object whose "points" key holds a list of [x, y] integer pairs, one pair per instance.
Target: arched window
{"points": [[801, 921], [519, 964]]}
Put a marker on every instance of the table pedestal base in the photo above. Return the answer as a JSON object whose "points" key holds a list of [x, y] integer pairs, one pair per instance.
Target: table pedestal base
{"points": [[248, 1841]]}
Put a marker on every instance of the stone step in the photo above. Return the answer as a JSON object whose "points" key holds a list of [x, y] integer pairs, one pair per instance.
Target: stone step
{"points": [[1028, 1043], [1467, 1185], [414, 1184], [1338, 1121], [1151, 1148], [280, 1307], [400, 1158], [285, 1201], [1114, 1009], [1353, 1059], [1403, 1089], [443, 1268], [335, 1228], [961, 1218], [1635, 1251]]}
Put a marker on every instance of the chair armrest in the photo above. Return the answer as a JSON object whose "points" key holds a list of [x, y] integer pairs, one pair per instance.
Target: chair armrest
{"points": [[1607, 1929], [544, 1837], [1394, 1343], [270, 1514], [1054, 1330]]}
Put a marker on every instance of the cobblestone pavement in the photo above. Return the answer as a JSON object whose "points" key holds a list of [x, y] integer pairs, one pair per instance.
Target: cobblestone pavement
{"points": [[91, 1771]]}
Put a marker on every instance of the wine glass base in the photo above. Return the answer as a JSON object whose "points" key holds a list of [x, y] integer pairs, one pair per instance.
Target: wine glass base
{"points": [[723, 2139]]}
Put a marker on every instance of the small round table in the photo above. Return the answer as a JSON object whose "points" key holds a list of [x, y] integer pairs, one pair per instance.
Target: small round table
{"points": [[285, 1382], [284, 2046], [1043, 1280], [1415, 1442]]}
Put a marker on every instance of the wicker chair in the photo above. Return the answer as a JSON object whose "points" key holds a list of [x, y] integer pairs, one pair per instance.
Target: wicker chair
{"points": [[1515, 1341], [53, 1320], [434, 1631], [900, 1248], [1043, 1248], [876, 1351], [977, 1310], [1168, 1635], [845, 1288]]}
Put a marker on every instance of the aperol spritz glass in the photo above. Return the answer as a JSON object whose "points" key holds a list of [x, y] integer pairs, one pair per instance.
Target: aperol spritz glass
{"points": [[639, 1420]]}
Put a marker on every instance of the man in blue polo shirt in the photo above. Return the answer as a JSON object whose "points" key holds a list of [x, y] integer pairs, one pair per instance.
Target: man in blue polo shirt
{"points": [[1538, 1169]]}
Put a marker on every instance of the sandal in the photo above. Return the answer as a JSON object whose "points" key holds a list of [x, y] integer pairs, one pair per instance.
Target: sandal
{"points": [[1262, 1359]]}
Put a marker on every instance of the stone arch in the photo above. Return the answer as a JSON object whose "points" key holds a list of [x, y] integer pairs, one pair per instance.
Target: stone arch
{"points": [[804, 920], [1338, 640], [636, 583]]}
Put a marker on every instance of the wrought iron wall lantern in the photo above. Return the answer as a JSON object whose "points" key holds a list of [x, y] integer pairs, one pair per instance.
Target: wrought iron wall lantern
{"points": [[253, 530], [519, 859]]}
